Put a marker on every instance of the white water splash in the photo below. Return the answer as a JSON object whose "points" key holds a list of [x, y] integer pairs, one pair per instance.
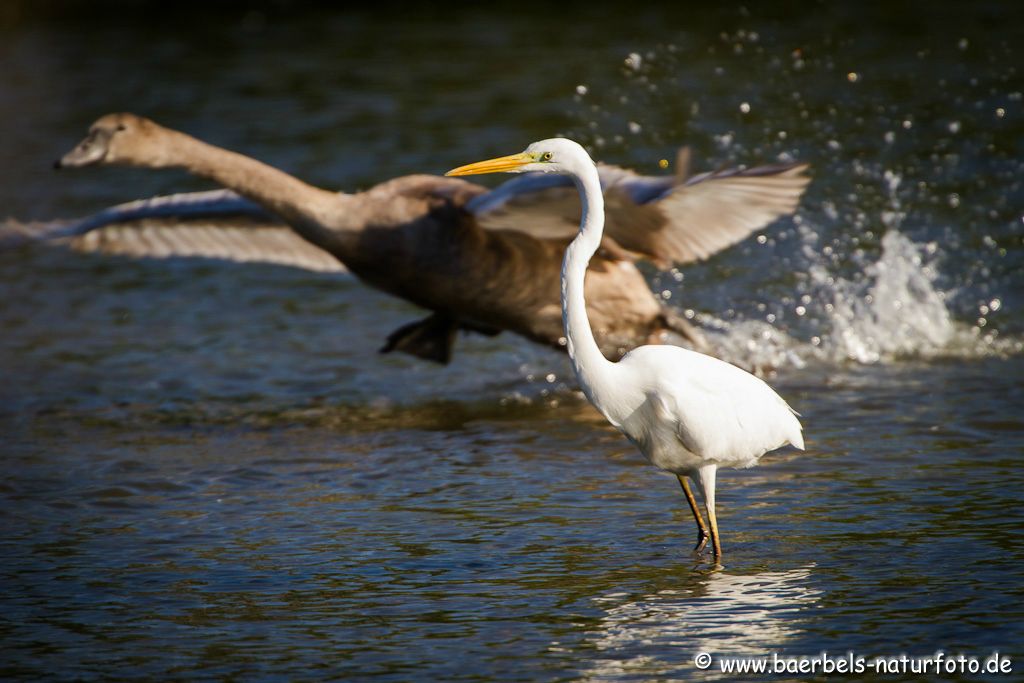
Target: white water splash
{"points": [[895, 308], [892, 308], [753, 344]]}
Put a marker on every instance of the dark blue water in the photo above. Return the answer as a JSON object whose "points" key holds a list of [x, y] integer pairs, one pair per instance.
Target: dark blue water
{"points": [[210, 473]]}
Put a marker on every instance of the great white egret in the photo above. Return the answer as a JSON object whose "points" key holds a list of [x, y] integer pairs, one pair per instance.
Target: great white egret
{"points": [[688, 413], [478, 260]]}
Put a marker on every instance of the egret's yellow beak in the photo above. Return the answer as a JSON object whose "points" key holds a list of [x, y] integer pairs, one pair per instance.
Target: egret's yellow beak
{"points": [[510, 163]]}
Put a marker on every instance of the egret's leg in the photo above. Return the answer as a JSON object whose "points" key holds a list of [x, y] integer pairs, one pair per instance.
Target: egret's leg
{"points": [[706, 481], [702, 530]]}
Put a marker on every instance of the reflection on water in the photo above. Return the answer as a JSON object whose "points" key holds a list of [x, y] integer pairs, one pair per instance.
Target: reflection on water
{"points": [[722, 613]]}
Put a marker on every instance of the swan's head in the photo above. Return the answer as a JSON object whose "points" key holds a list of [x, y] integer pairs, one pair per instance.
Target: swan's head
{"points": [[118, 139], [556, 155]]}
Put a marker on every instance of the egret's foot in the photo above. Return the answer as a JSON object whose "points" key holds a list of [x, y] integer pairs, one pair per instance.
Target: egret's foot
{"points": [[702, 540]]}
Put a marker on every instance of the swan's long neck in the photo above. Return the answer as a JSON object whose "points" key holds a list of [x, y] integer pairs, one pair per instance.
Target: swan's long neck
{"points": [[592, 368], [316, 214]]}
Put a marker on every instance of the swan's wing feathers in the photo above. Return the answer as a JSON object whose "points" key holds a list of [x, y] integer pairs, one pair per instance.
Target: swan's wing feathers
{"points": [[705, 214], [547, 205], [429, 187], [216, 225], [544, 205], [656, 217], [234, 239], [14, 233], [182, 205]]}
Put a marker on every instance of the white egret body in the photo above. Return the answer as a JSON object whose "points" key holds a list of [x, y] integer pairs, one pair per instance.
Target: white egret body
{"points": [[688, 413]]}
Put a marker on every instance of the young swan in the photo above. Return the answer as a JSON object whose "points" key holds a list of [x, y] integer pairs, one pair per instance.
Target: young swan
{"points": [[476, 259], [688, 413]]}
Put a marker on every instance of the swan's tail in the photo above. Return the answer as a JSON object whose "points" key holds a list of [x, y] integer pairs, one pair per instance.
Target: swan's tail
{"points": [[673, 322]]}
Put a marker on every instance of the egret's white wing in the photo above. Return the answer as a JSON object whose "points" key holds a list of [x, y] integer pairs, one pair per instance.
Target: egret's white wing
{"points": [[719, 411], [213, 225], [656, 217]]}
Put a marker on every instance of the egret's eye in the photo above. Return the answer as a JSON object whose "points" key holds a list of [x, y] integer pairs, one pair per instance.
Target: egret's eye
{"points": [[546, 156]]}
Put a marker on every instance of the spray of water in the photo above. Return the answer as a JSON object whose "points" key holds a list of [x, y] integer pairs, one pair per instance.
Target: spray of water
{"points": [[891, 307]]}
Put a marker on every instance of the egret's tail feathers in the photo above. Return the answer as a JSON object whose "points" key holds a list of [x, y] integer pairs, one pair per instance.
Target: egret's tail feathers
{"points": [[796, 431]]}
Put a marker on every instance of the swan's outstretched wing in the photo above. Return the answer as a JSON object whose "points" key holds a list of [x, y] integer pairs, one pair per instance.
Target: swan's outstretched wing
{"points": [[663, 218], [214, 225], [238, 239], [706, 213]]}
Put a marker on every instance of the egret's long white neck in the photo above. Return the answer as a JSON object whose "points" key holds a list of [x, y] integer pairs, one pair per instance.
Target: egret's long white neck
{"points": [[589, 363]]}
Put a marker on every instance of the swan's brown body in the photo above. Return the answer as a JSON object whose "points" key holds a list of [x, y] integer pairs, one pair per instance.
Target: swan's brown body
{"points": [[413, 238]]}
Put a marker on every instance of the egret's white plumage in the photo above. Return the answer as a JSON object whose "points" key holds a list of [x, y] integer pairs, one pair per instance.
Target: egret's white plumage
{"points": [[687, 412]]}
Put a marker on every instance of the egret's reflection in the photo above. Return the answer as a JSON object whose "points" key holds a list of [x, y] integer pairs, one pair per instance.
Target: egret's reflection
{"points": [[723, 614]]}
